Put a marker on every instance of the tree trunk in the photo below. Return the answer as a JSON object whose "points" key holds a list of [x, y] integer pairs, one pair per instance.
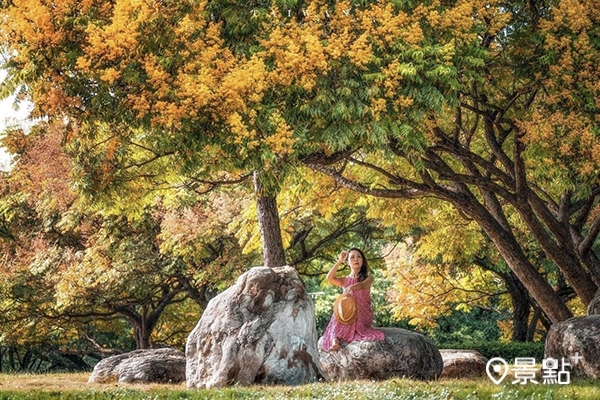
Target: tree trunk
{"points": [[11, 359], [535, 283], [521, 306], [593, 264], [511, 251], [139, 323], [533, 324], [142, 331], [562, 251], [270, 231], [142, 338]]}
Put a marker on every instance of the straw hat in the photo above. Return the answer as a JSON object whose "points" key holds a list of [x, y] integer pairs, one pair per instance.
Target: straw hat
{"points": [[344, 309]]}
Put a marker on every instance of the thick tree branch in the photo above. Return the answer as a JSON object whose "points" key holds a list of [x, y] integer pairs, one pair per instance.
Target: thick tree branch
{"points": [[100, 348], [496, 147], [583, 208], [437, 164], [309, 253], [163, 302], [466, 156], [406, 193], [395, 179], [586, 245], [563, 208]]}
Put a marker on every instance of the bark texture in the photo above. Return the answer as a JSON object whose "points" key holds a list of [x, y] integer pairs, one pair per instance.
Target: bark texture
{"points": [[594, 306], [270, 230]]}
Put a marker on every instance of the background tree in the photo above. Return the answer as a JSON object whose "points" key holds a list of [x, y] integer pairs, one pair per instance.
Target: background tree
{"points": [[66, 265]]}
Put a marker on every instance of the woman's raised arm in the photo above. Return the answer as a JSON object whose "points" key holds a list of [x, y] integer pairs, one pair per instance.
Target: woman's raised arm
{"points": [[331, 278]]}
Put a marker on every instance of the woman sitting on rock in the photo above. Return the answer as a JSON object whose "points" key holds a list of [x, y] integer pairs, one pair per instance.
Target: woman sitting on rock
{"points": [[357, 284]]}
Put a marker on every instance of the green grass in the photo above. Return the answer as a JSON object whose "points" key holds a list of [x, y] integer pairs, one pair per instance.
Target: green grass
{"points": [[74, 386]]}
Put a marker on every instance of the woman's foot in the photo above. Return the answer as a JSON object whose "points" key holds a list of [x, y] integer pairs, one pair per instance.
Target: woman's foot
{"points": [[336, 345]]}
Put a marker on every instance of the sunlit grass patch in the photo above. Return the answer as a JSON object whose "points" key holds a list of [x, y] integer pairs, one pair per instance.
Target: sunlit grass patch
{"points": [[75, 386]]}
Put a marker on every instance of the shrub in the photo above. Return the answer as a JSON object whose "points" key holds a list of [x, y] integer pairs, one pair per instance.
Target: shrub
{"points": [[506, 350]]}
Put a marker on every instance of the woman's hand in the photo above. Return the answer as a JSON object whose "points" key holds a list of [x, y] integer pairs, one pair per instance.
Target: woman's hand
{"points": [[343, 256]]}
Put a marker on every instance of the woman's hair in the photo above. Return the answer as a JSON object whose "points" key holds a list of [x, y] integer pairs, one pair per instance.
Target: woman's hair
{"points": [[363, 273]]}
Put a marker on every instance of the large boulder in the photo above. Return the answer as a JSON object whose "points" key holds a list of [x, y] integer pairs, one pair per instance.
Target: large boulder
{"points": [[578, 341], [463, 363], [594, 307], [260, 330], [402, 354], [141, 366]]}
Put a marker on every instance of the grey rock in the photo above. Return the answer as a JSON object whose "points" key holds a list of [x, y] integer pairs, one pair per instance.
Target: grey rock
{"points": [[164, 365], [576, 336], [463, 363], [402, 354], [260, 330]]}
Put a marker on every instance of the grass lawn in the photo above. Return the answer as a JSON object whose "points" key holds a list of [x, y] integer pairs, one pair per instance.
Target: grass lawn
{"points": [[75, 386]]}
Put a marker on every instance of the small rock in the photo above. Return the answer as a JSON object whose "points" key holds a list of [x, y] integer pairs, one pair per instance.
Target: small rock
{"points": [[141, 366], [463, 363]]}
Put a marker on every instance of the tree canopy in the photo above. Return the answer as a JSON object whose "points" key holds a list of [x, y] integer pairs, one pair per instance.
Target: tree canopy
{"points": [[489, 106]]}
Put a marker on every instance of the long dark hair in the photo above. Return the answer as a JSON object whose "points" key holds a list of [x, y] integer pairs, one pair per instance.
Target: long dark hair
{"points": [[363, 273]]}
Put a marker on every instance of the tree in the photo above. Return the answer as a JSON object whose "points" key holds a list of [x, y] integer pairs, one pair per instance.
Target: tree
{"points": [[67, 267], [392, 99], [464, 121]]}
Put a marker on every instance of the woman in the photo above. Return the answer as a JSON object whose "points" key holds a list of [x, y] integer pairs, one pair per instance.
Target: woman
{"points": [[358, 284]]}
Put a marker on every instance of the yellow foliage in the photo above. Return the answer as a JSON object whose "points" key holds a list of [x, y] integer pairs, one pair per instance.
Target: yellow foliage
{"points": [[577, 307], [246, 228], [185, 231], [239, 128], [110, 75], [280, 143], [35, 21], [360, 51], [305, 196], [88, 273], [299, 54], [576, 14], [573, 77], [422, 292]]}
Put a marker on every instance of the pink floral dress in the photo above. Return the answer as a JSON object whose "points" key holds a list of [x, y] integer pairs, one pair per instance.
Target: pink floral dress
{"points": [[361, 329]]}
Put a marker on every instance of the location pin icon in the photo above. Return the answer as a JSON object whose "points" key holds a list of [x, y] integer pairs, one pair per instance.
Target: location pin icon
{"points": [[494, 369]]}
